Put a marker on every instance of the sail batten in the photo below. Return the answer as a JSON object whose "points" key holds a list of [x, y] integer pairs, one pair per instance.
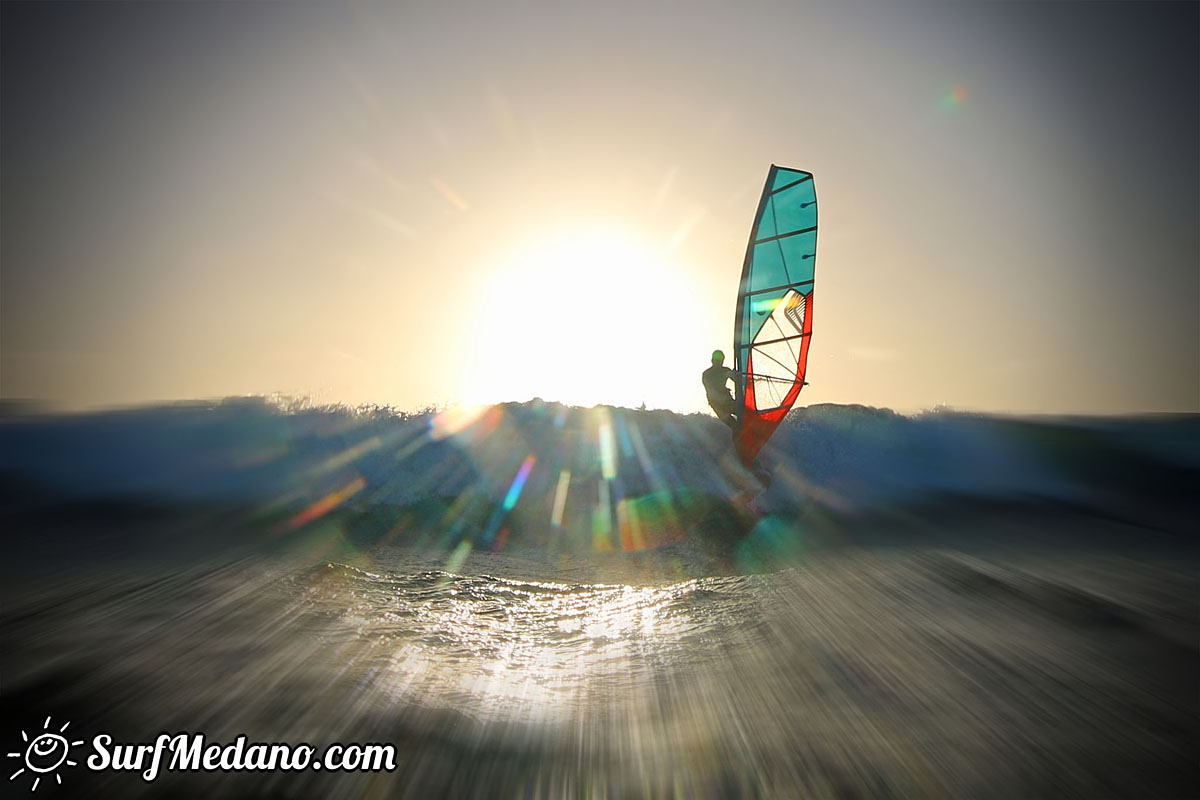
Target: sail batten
{"points": [[778, 236], [773, 322]]}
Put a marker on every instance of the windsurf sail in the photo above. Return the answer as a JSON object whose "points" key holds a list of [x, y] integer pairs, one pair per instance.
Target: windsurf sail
{"points": [[773, 326]]}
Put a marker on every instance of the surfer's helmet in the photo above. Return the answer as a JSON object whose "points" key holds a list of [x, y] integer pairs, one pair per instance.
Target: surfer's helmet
{"points": [[718, 357]]}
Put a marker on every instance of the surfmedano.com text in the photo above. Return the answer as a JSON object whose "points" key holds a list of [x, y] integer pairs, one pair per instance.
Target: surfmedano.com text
{"points": [[189, 753]]}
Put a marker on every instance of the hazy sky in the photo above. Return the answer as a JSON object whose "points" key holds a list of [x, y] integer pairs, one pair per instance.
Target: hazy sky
{"points": [[424, 203]]}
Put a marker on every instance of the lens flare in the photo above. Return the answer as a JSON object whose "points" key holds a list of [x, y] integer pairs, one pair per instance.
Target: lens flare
{"points": [[514, 491], [328, 503], [955, 97], [560, 498]]}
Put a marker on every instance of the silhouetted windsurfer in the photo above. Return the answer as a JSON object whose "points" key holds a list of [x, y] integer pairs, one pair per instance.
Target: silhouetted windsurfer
{"points": [[716, 385]]}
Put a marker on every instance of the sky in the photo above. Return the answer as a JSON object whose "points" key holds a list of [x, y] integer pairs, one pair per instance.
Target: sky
{"points": [[431, 203]]}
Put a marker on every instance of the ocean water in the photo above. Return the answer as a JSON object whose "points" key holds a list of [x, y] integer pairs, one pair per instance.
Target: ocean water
{"points": [[838, 640], [861, 673]]}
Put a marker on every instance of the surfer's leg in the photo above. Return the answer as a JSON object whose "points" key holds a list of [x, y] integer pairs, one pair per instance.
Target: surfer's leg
{"points": [[724, 412]]}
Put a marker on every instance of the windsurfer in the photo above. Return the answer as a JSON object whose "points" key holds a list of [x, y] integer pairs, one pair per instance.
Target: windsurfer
{"points": [[716, 379]]}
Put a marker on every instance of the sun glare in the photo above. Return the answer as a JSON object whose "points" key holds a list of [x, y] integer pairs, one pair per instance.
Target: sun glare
{"points": [[584, 316]]}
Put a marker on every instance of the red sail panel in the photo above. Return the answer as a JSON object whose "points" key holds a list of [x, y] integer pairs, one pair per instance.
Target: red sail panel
{"points": [[759, 424]]}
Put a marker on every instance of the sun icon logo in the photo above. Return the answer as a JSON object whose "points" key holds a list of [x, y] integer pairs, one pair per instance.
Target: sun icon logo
{"points": [[45, 754]]}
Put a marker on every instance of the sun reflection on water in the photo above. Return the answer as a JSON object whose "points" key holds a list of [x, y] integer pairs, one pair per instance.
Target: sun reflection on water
{"points": [[526, 649]]}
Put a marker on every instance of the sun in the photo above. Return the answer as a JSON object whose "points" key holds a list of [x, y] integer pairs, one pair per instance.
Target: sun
{"points": [[585, 315], [45, 754]]}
